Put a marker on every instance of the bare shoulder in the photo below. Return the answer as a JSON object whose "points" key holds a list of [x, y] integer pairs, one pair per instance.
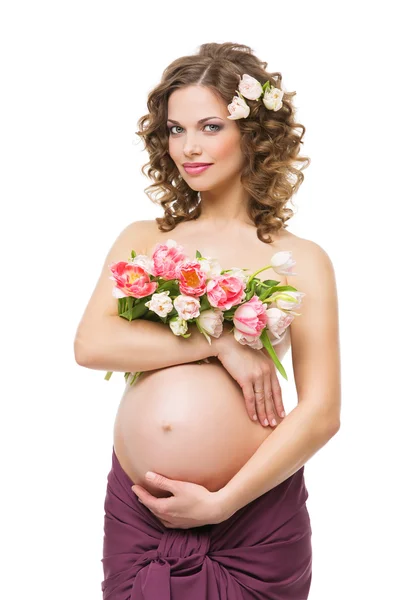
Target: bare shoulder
{"points": [[141, 232], [314, 273], [309, 255], [149, 232], [136, 235]]}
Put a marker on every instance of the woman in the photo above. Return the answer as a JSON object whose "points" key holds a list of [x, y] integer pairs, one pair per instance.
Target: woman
{"points": [[225, 515]]}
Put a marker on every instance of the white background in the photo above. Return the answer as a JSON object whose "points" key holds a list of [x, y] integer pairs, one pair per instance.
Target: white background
{"points": [[75, 78]]}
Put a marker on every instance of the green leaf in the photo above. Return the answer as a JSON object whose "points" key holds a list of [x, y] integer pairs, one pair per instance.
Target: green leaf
{"points": [[139, 310], [125, 306], [108, 375], [285, 288], [121, 305], [170, 285], [266, 86], [126, 315], [268, 346], [228, 314], [270, 282], [276, 288], [250, 293], [204, 303], [152, 316]]}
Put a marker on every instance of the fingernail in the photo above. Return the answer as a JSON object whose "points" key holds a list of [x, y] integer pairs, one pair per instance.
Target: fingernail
{"points": [[283, 414], [273, 422], [265, 421], [254, 417]]}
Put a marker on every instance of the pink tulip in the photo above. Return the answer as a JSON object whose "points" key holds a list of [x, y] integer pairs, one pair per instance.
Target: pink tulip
{"points": [[166, 259], [225, 291], [283, 263], [187, 307], [210, 322], [192, 279], [251, 317], [131, 280], [248, 340], [278, 321]]}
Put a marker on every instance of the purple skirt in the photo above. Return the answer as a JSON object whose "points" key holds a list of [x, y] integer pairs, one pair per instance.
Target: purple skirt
{"points": [[262, 552]]}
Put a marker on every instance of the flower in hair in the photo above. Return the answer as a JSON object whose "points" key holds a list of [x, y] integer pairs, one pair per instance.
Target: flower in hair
{"points": [[273, 99], [252, 89], [238, 109]]}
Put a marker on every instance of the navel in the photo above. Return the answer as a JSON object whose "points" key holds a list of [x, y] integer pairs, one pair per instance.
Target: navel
{"points": [[166, 425]]}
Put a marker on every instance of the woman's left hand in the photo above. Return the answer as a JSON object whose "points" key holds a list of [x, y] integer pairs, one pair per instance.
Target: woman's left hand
{"points": [[191, 505]]}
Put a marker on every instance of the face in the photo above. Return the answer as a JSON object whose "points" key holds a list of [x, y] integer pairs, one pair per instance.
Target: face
{"points": [[216, 140]]}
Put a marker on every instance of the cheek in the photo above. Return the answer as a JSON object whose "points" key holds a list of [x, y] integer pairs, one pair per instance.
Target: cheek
{"points": [[172, 148], [227, 149]]}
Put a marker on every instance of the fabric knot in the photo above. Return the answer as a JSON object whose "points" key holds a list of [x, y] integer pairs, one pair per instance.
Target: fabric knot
{"points": [[182, 543]]}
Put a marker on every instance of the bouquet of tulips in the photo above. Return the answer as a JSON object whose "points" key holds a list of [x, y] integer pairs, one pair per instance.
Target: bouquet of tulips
{"points": [[170, 288]]}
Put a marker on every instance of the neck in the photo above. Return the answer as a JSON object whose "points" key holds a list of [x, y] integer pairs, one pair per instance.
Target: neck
{"points": [[223, 208]]}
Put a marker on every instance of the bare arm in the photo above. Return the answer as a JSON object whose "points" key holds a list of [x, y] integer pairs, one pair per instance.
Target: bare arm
{"points": [[316, 366], [106, 341], [141, 345]]}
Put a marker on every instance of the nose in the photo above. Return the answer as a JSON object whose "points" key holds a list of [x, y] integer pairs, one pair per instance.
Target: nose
{"points": [[191, 146]]}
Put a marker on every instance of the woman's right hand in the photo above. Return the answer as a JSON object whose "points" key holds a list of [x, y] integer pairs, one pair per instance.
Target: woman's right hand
{"points": [[256, 374]]}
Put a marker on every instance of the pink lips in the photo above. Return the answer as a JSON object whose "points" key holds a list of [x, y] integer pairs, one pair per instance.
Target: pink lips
{"points": [[193, 169]]}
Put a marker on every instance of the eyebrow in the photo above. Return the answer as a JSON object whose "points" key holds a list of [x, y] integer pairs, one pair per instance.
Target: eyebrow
{"points": [[200, 121]]}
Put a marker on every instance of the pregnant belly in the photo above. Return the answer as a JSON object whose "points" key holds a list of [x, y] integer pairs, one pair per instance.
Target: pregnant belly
{"points": [[187, 422]]}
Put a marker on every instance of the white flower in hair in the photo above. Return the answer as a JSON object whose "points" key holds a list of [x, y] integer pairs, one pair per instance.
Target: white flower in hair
{"points": [[273, 99], [250, 88], [238, 108]]}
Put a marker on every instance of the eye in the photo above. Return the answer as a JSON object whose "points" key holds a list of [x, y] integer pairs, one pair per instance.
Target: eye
{"points": [[171, 128], [213, 125], [208, 125]]}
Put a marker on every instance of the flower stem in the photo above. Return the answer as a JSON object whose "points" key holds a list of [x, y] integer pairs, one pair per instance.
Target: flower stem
{"points": [[256, 272]]}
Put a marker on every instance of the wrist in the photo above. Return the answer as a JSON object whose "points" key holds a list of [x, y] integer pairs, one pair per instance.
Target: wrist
{"points": [[225, 338], [224, 506]]}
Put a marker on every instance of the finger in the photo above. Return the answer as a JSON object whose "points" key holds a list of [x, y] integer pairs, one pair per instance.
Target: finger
{"points": [[143, 496], [277, 394], [139, 492], [161, 482], [249, 399], [259, 394], [166, 523], [269, 400], [157, 506]]}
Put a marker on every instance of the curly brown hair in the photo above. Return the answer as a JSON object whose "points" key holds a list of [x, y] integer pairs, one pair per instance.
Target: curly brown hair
{"points": [[269, 140]]}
